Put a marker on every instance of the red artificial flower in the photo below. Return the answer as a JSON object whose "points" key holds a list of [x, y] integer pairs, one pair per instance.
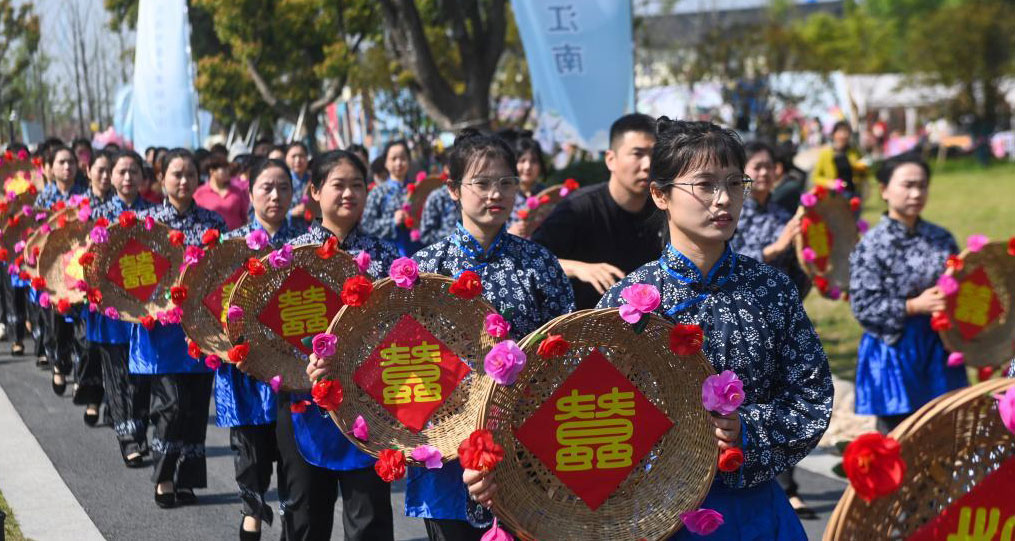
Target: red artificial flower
{"points": [[940, 322], [210, 237], [356, 290], [37, 162], [686, 339], [23, 275], [127, 219], [571, 184], [984, 373], [32, 189], [328, 248], [38, 283], [238, 353], [20, 260], [821, 283], [308, 215], [553, 345], [35, 252], [300, 406], [544, 199], [390, 465], [409, 222], [63, 306], [854, 204], [148, 322], [523, 213], [1011, 246], [193, 349], [86, 259], [61, 221], [178, 294], [955, 263], [84, 202], [176, 237], [102, 222], [94, 295], [821, 192], [874, 465], [444, 175], [411, 188], [8, 156], [327, 394], [58, 206], [479, 451], [467, 285], [255, 267], [4, 255], [730, 459]]}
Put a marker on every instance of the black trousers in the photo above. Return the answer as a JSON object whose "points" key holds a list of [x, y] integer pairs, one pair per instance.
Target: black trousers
{"points": [[88, 376], [16, 299], [59, 341], [37, 315], [180, 414], [254, 452], [129, 399], [308, 494], [5, 291], [451, 530]]}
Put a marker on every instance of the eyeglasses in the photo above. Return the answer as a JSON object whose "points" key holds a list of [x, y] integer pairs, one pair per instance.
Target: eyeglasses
{"points": [[737, 187], [486, 185]]}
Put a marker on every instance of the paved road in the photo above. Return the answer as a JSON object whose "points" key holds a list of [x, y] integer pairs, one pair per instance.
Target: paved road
{"points": [[119, 500]]}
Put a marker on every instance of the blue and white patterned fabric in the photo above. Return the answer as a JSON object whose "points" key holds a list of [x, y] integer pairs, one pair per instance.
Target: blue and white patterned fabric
{"points": [[901, 361], [193, 222], [520, 199], [379, 215], [759, 226], [440, 215], [525, 283], [382, 253], [51, 194], [299, 185]]}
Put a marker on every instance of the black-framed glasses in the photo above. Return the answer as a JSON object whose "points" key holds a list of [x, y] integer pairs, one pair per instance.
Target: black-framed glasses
{"points": [[486, 185], [706, 190]]}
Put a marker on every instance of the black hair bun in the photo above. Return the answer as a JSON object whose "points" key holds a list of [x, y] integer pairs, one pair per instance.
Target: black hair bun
{"points": [[466, 134]]}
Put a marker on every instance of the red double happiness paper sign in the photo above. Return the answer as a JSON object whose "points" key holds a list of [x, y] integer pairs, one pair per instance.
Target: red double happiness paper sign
{"points": [[411, 373], [818, 238], [594, 429], [975, 305], [985, 513], [301, 307], [217, 300], [137, 269]]}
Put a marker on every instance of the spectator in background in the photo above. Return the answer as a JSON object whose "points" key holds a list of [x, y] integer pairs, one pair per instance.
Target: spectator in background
{"points": [[277, 153], [262, 147], [378, 172], [83, 150], [219, 195], [360, 151], [839, 161], [297, 157], [789, 179]]}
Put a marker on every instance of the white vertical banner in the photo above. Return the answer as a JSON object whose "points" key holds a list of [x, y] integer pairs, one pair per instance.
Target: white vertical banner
{"points": [[581, 60], [163, 101]]}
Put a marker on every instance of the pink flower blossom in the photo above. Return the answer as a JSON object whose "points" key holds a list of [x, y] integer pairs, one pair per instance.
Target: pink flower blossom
{"points": [[641, 299], [84, 214], [839, 185], [92, 307], [415, 235], [421, 176], [19, 246], [429, 455], [975, 243], [213, 362], [404, 272], [81, 285], [809, 255], [44, 299], [281, 258], [496, 326], [862, 226], [173, 316], [360, 429], [192, 255], [257, 239], [504, 361], [701, 521], [111, 313], [1006, 407], [808, 199], [362, 261], [149, 223], [722, 393], [496, 533], [324, 345], [26, 210], [40, 216], [275, 383], [532, 202], [956, 358], [834, 293], [45, 229], [99, 235], [234, 313], [564, 192], [948, 284]]}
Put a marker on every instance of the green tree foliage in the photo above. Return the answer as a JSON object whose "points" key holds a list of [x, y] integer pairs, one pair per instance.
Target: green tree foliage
{"points": [[19, 39]]}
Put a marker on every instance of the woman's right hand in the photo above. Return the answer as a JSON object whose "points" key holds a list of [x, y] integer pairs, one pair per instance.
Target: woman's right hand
{"points": [[481, 486], [400, 217], [930, 301]]}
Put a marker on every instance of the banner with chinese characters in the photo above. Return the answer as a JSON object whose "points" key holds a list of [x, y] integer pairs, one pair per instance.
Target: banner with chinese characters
{"points": [[137, 269], [301, 308], [581, 60], [976, 304], [985, 512]]}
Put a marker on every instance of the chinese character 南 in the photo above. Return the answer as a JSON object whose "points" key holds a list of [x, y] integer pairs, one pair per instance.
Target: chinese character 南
{"points": [[138, 270], [303, 312], [595, 428], [411, 374], [568, 59], [564, 18]]}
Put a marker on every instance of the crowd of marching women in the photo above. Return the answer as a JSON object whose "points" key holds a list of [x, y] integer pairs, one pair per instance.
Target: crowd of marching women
{"points": [[690, 209]]}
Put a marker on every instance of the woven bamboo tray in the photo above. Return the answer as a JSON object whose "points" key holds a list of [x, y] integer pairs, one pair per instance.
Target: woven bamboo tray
{"points": [[458, 323], [423, 190], [994, 345], [22, 230], [835, 212], [672, 478], [949, 445], [58, 261], [270, 354], [538, 215]]}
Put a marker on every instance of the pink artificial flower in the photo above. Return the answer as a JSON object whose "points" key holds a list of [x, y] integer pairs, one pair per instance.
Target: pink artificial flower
{"points": [[324, 345], [84, 214], [496, 533], [722, 393], [275, 383], [99, 235], [173, 316], [834, 293], [81, 285], [257, 239], [362, 261], [1006, 407], [360, 429], [111, 313], [429, 455], [701, 521], [809, 255], [281, 258], [421, 176], [192, 255], [149, 223], [234, 313], [956, 358], [26, 210], [641, 299], [213, 362], [40, 216], [45, 229], [808, 199], [862, 226], [92, 307], [44, 299], [564, 192], [496, 326], [404, 272], [415, 235], [975, 243], [532, 202], [19, 246], [504, 361], [839, 185], [948, 284]]}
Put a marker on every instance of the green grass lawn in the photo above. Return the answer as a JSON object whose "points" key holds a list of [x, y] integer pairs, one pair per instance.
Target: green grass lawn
{"points": [[964, 198], [11, 530]]}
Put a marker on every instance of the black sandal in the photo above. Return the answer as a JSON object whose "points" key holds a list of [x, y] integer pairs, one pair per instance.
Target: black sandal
{"points": [[166, 500], [185, 496], [18, 350]]}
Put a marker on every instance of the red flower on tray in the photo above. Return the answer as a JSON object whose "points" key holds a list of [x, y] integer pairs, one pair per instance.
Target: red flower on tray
{"points": [[479, 451], [874, 466]]}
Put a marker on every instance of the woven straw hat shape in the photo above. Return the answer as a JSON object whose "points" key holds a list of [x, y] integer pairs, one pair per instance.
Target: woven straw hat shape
{"points": [[22, 231], [457, 322], [270, 355], [835, 212], [129, 307], [996, 343], [671, 479], [949, 445], [217, 265], [15, 206], [539, 214], [61, 245]]}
